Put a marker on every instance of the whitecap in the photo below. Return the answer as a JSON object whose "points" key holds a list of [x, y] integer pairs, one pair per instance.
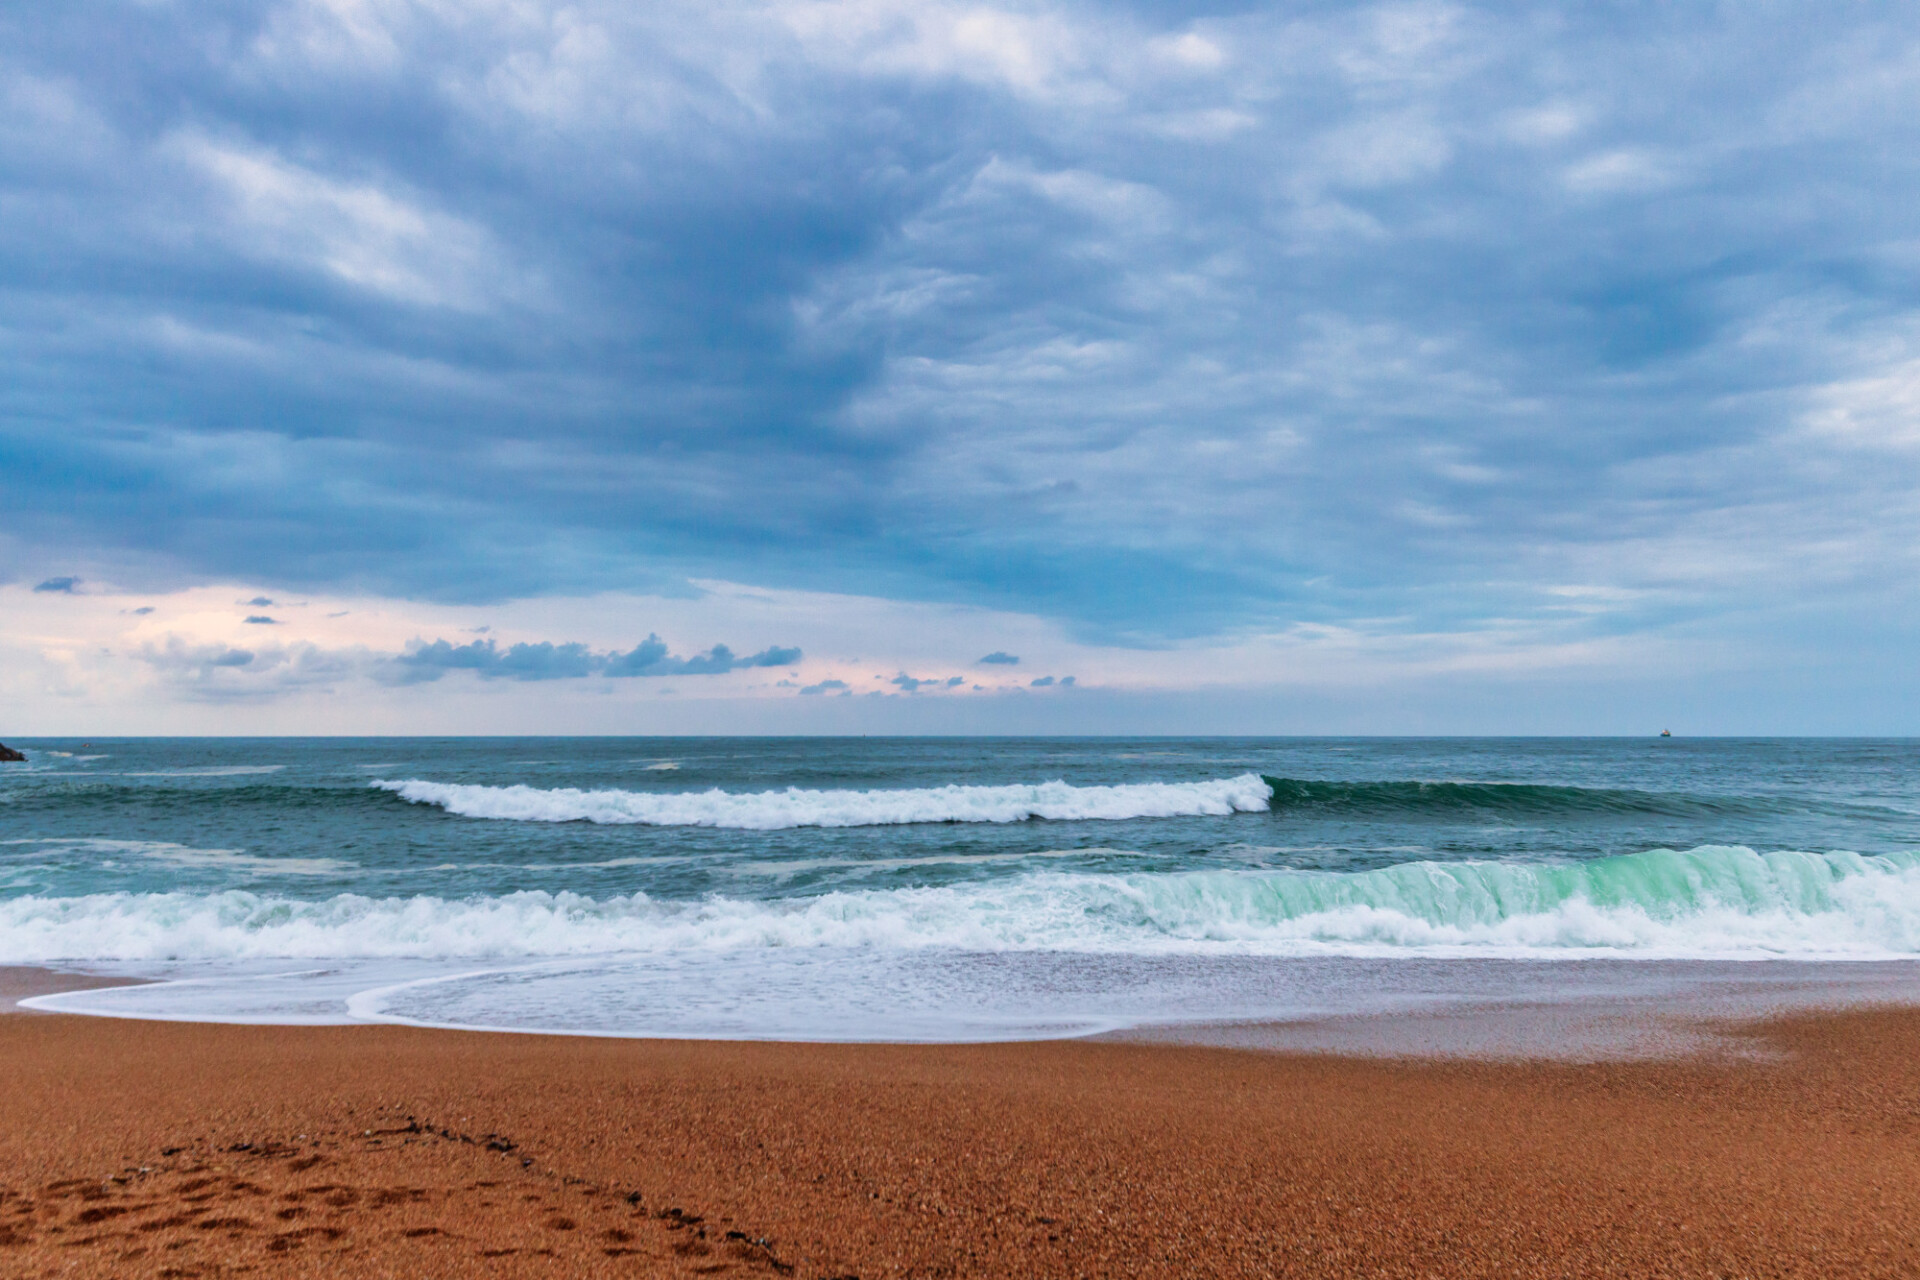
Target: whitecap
{"points": [[794, 807]]}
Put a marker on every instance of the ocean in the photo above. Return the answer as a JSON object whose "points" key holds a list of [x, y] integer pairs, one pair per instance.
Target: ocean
{"points": [[935, 889]]}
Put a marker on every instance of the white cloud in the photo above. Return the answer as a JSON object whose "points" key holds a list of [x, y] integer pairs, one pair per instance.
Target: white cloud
{"points": [[1880, 411], [1189, 49], [1031, 54], [340, 35], [1546, 124], [358, 232], [1382, 151], [1398, 45], [1624, 171]]}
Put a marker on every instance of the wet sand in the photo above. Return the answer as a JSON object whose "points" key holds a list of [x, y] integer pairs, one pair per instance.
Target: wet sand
{"points": [[157, 1149], [18, 982]]}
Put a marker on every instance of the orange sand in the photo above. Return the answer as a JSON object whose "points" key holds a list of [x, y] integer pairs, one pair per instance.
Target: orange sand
{"points": [[152, 1149]]}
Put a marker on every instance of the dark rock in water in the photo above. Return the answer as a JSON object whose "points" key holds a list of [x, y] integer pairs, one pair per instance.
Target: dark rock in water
{"points": [[8, 753]]}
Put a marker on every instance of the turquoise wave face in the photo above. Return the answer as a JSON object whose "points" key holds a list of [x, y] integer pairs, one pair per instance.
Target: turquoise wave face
{"points": [[1702, 903], [1665, 884], [1707, 901]]}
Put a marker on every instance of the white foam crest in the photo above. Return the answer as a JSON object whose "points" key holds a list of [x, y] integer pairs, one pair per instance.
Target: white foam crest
{"points": [[1706, 903], [793, 807]]}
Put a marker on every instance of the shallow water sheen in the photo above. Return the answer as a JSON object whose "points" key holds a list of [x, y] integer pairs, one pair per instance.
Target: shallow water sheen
{"points": [[925, 889]]}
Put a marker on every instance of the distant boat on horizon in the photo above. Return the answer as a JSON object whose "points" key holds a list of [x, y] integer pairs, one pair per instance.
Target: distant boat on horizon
{"points": [[1666, 733]]}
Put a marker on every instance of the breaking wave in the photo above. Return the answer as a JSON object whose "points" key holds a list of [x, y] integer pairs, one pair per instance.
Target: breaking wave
{"points": [[794, 807], [1710, 902]]}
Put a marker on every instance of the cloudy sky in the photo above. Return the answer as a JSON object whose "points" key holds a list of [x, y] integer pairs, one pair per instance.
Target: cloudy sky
{"points": [[903, 365]]}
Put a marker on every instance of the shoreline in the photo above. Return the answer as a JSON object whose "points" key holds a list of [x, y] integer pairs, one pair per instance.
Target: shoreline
{"points": [[1574, 1009], [23, 982]]}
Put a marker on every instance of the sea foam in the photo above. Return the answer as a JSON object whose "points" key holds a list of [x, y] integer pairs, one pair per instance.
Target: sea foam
{"points": [[794, 807], [1710, 902]]}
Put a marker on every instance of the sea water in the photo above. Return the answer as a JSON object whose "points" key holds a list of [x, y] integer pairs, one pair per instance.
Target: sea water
{"points": [[936, 889]]}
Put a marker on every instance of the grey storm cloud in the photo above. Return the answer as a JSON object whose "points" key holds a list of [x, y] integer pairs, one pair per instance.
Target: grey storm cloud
{"points": [[542, 661], [546, 660], [65, 586], [913, 684], [1160, 321], [650, 658]]}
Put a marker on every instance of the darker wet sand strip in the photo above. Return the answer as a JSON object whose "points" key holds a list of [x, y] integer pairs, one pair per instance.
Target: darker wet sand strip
{"points": [[149, 1149], [23, 982]]}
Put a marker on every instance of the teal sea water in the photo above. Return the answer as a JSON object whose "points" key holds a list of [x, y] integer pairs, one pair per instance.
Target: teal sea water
{"points": [[927, 889]]}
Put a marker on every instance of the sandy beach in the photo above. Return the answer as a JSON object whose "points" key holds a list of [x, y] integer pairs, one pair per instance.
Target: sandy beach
{"points": [[154, 1149]]}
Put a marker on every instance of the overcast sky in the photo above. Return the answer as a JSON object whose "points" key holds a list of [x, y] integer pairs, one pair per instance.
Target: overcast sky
{"points": [[489, 365]]}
